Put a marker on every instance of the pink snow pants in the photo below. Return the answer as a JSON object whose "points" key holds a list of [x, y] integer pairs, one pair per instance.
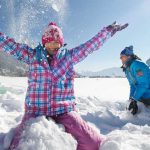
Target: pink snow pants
{"points": [[87, 138]]}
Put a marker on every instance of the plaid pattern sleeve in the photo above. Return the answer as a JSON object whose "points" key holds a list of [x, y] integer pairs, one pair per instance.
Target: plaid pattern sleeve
{"points": [[82, 51], [19, 51]]}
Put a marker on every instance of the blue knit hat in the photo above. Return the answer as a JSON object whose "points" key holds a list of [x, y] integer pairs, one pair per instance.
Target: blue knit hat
{"points": [[128, 51]]}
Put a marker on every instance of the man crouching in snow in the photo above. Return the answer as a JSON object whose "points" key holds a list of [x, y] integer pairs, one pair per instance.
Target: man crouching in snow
{"points": [[138, 75], [50, 81]]}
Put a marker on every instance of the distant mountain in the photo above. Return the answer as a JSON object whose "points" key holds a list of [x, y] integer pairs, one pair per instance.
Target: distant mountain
{"points": [[11, 67], [148, 62], [110, 72]]}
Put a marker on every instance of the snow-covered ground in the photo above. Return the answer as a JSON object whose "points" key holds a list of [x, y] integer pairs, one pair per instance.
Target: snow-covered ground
{"points": [[101, 102]]}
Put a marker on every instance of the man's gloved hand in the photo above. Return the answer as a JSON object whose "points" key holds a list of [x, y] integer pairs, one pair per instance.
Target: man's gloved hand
{"points": [[133, 107], [113, 28]]}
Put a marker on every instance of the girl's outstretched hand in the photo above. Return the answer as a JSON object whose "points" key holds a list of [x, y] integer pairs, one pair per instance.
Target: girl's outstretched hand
{"points": [[113, 28]]}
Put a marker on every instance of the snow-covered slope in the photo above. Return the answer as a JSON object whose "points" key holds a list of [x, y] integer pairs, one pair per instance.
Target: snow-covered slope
{"points": [[11, 67], [148, 62], [101, 102], [110, 72]]}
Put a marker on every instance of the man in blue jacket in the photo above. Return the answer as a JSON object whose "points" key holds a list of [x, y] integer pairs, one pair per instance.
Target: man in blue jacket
{"points": [[138, 75]]}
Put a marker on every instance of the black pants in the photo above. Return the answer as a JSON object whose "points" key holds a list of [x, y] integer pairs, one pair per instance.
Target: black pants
{"points": [[146, 101]]}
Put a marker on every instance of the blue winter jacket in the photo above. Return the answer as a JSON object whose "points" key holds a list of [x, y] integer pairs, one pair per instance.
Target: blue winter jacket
{"points": [[138, 75]]}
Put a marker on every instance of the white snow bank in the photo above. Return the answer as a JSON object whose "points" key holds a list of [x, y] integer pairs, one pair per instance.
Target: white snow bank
{"points": [[122, 130], [130, 137], [41, 134], [101, 102]]}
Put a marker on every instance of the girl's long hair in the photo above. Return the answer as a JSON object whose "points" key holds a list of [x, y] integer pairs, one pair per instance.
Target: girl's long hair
{"points": [[135, 57]]}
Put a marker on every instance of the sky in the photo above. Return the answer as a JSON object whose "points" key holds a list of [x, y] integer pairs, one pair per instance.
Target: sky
{"points": [[80, 20]]}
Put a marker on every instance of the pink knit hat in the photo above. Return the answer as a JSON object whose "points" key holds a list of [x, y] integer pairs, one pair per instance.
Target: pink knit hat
{"points": [[52, 33]]}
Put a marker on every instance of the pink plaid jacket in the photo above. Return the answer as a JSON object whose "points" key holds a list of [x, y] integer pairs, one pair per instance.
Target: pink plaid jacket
{"points": [[51, 87]]}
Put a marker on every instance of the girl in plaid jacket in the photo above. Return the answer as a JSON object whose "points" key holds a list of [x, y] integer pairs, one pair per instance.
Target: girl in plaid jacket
{"points": [[51, 73]]}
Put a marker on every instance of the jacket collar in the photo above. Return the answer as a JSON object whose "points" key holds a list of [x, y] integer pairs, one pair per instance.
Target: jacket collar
{"points": [[58, 53], [127, 64]]}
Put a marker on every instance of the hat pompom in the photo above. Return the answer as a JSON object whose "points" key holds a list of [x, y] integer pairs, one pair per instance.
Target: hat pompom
{"points": [[130, 48], [52, 23]]}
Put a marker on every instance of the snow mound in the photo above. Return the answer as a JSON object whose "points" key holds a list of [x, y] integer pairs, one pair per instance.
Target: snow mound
{"points": [[104, 108], [109, 116], [41, 134], [122, 130], [131, 137]]}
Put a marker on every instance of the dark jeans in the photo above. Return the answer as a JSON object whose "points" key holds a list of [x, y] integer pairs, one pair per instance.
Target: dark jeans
{"points": [[146, 101]]}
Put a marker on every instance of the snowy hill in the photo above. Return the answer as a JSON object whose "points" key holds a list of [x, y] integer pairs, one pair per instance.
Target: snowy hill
{"points": [[110, 72], [11, 67], [100, 101], [148, 62]]}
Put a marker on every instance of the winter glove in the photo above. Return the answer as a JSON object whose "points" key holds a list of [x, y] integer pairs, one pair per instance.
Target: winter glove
{"points": [[113, 28], [133, 107]]}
